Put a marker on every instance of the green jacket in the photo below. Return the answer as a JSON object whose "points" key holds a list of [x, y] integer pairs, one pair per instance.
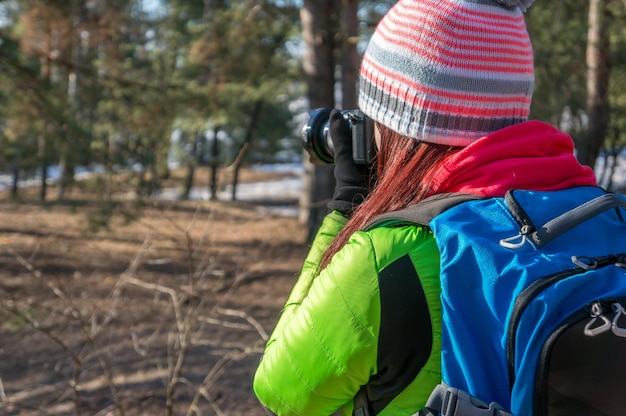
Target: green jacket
{"points": [[358, 321]]}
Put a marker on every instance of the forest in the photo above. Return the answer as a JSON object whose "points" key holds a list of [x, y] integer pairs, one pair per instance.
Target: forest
{"points": [[145, 85], [111, 85], [113, 302]]}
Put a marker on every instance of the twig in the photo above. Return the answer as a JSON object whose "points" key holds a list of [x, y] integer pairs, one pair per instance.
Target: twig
{"points": [[239, 314], [3, 395], [89, 331]]}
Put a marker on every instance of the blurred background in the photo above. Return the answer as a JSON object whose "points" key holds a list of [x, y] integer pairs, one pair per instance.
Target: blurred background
{"points": [[149, 86]]}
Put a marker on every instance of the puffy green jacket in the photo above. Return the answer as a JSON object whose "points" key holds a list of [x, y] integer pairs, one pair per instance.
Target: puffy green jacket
{"points": [[362, 319]]}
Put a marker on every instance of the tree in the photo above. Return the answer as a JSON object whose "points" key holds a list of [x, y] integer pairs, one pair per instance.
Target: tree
{"points": [[350, 59], [580, 89], [557, 31], [615, 142], [598, 75], [241, 67], [44, 38], [19, 113], [330, 29], [319, 31]]}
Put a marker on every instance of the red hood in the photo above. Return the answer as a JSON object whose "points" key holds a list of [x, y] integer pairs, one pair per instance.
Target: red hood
{"points": [[531, 155]]}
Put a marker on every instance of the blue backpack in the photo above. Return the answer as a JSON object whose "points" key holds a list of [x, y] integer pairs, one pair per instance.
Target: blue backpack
{"points": [[533, 296]]}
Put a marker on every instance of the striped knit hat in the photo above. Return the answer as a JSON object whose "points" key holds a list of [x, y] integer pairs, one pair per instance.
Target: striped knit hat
{"points": [[449, 71]]}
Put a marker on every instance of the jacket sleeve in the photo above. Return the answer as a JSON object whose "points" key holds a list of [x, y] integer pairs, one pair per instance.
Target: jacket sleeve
{"points": [[323, 348]]}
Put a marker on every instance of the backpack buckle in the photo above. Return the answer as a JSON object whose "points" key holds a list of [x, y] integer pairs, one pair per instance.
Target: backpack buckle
{"points": [[450, 401]]}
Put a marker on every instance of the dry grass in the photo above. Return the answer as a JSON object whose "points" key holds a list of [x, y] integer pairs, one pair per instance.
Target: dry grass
{"points": [[139, 309]]}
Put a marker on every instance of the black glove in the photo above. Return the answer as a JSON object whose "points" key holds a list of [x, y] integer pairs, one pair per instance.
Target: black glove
{"points": [[351, 179]]}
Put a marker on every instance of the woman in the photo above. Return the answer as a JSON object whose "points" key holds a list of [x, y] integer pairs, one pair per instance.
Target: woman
{"points": [[449, 84]]}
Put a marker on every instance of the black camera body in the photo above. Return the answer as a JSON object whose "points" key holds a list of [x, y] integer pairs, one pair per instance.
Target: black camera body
{"points": [[316, 138]]}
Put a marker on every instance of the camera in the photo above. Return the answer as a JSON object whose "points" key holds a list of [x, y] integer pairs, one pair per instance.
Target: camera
{"points": [[317, 142]]}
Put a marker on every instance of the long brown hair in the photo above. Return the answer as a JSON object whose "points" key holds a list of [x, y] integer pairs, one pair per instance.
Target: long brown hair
{"points": [[403, 169]]}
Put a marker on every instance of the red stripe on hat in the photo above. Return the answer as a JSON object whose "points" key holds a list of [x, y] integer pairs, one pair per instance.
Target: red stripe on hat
{"points": [[442, 11], [397, 32], [442, 7], [397, 92], [489, 59], [483, 61], [461, 35], [442, 43]]}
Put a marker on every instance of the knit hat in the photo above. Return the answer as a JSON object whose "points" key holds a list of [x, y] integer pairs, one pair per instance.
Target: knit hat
{"points": [[449, 71]]}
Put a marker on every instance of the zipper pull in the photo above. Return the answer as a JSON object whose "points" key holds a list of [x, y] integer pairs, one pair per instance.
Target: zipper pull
{"points": [[619, 312], [592, 328], [517, 240], [593, 263]]}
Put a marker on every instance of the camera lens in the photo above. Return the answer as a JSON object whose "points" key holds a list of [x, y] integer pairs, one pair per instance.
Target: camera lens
{"points": [[315, 137]]}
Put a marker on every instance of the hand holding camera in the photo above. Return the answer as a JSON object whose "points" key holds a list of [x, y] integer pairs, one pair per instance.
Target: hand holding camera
{"points": [[318, 143], [345, 139]]}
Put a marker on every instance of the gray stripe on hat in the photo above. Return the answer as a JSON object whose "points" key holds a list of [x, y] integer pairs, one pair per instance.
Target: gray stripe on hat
{"points": [[494, 3], [426, 75], [407, 99], [427, 124]]}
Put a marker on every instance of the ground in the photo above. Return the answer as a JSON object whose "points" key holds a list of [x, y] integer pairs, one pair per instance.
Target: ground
{"points": [[131, 308]]}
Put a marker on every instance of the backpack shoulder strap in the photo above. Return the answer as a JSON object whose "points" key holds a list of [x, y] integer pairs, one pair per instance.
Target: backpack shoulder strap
{"points": [[419, 214], [424, 211]]}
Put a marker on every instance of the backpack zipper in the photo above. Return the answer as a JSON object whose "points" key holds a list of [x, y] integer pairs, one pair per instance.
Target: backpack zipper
{"points": [[592, 310], [528, 294], [523, 220], [519, 214]]}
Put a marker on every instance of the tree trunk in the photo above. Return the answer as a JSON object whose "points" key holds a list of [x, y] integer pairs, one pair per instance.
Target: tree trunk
{"points": [[109, 167], [67, 169], [598, 73], [191, 171], [154, 174], [15, 168], [350, 61], [213, 162], [613, 152], [43, 165], [191, 165], [319, 30], [254, 118], [67, 150], [61, 182]]}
